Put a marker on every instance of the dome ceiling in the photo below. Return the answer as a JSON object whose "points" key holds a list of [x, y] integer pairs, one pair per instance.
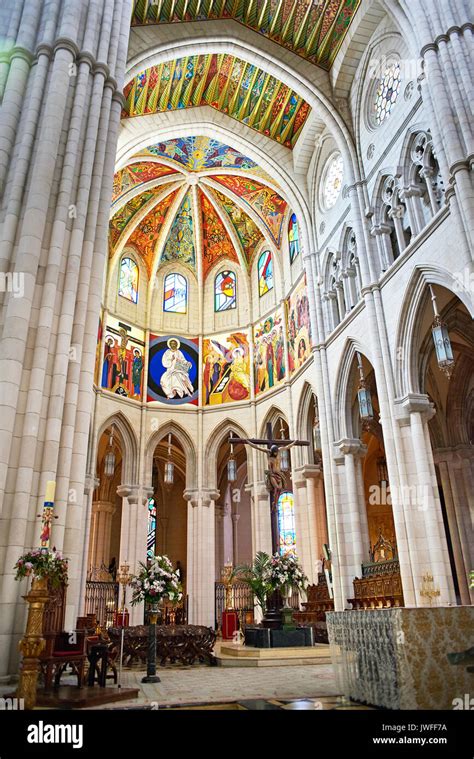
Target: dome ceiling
{"points": [[190, 195], [313, 29], [241, 90]]}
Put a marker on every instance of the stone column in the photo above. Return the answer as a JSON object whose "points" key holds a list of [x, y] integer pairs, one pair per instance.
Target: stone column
{"points": [[102, 513], [235, 538], [461, 569], [201, 555], [354, 517], [418, 499], [382, 234], [53, 234], [261, 518], [312, 518]]}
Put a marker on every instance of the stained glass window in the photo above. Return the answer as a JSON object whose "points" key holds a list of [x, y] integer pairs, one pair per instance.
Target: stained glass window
{"points": [[294, 237], [387, 92], [175, 294], [333, 181], [265, 273], [128, 282], [225, 291], [151, 532], [286, 522]]}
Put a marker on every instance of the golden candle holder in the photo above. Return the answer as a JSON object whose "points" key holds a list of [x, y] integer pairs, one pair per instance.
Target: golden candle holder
{"points": [[428, 589], [124, 579], [33, 643], [227, 575]]}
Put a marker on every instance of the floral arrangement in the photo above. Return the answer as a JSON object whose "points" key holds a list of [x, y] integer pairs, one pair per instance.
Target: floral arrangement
{"points": [[285, 570], [43, 562], [156, 580]]}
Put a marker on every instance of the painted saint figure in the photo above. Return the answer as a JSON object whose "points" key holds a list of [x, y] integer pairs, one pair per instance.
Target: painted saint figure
{"points": [[175, 380], [137, 368], [108, 361]]}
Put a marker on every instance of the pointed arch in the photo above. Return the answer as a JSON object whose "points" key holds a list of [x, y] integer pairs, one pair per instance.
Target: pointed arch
{"points": [[345, 376], [218, 436], [272, 416], [186, 443], [130, 445], [415, 298], [303, 428]]}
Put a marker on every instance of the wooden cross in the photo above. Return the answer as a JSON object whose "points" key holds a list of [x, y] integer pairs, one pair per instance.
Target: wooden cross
{"points": [[274, 478]]}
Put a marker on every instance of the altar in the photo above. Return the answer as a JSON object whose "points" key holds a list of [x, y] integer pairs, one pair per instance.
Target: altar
{"points": [[397, 658]]}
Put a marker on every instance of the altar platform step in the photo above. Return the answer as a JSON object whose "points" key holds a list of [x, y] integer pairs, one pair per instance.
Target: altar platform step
{"points": [[237, 655], [71, 697]]}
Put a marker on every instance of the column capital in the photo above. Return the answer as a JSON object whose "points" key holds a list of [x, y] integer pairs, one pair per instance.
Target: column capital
{"points": [[90, 483], [309, 472], [128, 491], [208, 495], [103, 506], [147, 492], [348, 446], [192, 496], [413, 403], [205, 495]]}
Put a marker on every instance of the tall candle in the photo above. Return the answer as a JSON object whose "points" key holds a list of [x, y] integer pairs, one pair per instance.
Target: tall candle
{"points": [[50, 491]]}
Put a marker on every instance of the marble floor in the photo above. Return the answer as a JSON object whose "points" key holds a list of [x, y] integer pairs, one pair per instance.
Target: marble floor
{"points": [[203, 685]]}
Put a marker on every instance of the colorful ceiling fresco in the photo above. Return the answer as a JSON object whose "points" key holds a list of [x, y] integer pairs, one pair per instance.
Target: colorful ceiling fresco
{"points": [[179, 244], [313, 29], [215, 239], [248, 233], [199, 153], [211, 205], [232, 86], [137, 173], [145, 236], [125, 215], [269, 206]]}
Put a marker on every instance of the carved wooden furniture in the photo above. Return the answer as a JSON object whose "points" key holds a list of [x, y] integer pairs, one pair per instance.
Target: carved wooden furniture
{"points": [[315, 608], [63, 650], [175, 643], [380, 586]]}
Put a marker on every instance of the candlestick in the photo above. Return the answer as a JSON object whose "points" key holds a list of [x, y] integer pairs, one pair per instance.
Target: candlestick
{"points": [[47, 516]]}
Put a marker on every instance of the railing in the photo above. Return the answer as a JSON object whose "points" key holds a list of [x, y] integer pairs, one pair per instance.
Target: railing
{"points": [[170, 615], [380, 567], [102, 600], [242, 599]]}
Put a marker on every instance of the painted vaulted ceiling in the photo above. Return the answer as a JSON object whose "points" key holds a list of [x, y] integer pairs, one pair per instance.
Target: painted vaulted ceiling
{"points": [[239, 89], [313, 29], [194, 201]]}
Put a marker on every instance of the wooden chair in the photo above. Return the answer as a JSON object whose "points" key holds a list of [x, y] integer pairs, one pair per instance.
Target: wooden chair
{"points": [[63, 650]]}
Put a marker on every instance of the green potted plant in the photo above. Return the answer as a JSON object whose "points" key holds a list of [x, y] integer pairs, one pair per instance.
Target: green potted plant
{"points": [[258, 576]]}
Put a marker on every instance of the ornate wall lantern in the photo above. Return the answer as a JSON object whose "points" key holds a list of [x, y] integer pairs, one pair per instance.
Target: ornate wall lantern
{"points": [[285, 462], [169, 468], [232, 464], [109, 460], [442, 343], [366, 409]]}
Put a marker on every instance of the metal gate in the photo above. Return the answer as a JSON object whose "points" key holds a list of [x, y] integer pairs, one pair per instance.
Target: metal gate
{"points": [[242, 599], [102, 600]]}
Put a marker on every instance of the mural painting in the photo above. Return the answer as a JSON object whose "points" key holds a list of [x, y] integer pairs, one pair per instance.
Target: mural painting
{"points": [[173, 370], [122, 362], [269, 352], [299, 327], [226, 369]]}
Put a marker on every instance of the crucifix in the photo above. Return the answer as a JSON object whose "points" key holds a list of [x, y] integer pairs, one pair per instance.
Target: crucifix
{"points": [[276, 451]]}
